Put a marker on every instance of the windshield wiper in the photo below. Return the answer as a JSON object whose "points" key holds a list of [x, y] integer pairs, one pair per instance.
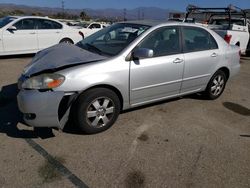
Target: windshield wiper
{"points": [[92, 47]]}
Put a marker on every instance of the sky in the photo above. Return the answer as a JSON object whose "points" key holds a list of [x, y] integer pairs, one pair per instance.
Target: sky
{"points": [[130, 4]]}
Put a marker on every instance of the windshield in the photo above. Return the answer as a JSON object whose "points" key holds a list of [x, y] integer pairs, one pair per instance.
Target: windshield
{"points": [[112, 40], [6, 20]]}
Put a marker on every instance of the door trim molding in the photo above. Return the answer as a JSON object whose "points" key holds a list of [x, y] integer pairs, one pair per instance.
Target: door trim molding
{"points": [[157, 85]]}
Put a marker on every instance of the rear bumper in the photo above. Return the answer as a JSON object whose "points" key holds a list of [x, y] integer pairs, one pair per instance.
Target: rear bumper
{"points": [[40, 109]]}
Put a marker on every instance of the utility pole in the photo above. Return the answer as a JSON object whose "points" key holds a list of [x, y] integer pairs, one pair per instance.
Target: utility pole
{"points": [[124, 14], [63, 8], [142, 14], [139, 14]]}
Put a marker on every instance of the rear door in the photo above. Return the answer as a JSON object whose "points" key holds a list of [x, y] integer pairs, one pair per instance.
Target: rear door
{"points": [[48, 33], [201, 54], [1, 41], [24, 39]]}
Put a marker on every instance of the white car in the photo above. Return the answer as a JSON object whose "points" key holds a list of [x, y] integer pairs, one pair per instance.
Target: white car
{"points": [[89, 29], [30, 34]]}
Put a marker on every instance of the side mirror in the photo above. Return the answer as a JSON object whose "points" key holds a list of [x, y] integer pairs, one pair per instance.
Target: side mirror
{"points": [[12, 28], [143, 53]]}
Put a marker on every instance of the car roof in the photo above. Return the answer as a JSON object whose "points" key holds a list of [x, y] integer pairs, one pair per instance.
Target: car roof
{"points": [[145, 22], [37, 17], [153, 23], [40, 17]]}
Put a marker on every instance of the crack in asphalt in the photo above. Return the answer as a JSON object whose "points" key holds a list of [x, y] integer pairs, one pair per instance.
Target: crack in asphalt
{"points": [[57, 165], [194, 167]]}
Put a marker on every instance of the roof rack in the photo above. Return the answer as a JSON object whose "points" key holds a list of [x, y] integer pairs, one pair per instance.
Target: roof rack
{"points": [[230, 11]]}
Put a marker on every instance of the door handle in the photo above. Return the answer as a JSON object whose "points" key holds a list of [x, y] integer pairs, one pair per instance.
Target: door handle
{"points": [[214, 55], [57, 32], [32, 33], [178, 60]]}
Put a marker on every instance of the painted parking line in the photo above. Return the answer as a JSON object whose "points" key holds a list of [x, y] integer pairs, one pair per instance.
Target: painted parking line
{"points": [[57, 165]]}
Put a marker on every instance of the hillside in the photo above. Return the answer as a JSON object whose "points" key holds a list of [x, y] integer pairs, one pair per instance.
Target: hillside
{"points": [[131, 14]]}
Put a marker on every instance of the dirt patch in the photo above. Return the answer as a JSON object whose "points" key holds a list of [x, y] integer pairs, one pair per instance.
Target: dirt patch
{"points": [[237, 108], [143, 137], [135, 179], [161, 109], [2, 181], [48, 172]]}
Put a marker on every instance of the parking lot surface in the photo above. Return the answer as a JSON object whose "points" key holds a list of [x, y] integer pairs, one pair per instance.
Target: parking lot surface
{"points": [[186, 142]]}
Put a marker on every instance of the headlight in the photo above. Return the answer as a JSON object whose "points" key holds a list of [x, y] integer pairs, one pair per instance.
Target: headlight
{"points": [[44, 81]]}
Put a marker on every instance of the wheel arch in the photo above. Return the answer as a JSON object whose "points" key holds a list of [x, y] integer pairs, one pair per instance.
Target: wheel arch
{"points": [[110, 87], [238, 43], [66, 38], [226, 71]]}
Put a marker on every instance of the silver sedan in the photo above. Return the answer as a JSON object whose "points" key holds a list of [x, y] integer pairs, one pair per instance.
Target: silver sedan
{"points": [[120, 67]]}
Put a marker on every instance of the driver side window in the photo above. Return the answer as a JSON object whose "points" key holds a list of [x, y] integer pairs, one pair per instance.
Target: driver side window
{"points": [[25, 24], [163, 41]]}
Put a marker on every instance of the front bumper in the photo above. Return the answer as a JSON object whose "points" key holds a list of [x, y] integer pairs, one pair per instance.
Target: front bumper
{"points": [[43, 106]]}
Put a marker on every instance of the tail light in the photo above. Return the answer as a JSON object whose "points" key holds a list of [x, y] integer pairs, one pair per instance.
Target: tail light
{"points": [[228, 38], [81, 33]]}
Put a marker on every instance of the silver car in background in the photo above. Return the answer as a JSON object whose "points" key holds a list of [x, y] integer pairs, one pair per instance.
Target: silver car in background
{"points": [[120, 67]]}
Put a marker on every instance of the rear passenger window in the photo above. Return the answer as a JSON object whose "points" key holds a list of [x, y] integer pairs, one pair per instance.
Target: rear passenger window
{"points": [[95, 26], [197, 39], [48, 24], [163, 41]]}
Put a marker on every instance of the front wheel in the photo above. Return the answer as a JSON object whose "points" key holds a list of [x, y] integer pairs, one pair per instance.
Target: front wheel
{"points": [[97, 110], [216, 85]]}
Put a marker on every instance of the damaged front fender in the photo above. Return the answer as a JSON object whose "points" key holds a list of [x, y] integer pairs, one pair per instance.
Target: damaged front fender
{"points": [[42, 109]]}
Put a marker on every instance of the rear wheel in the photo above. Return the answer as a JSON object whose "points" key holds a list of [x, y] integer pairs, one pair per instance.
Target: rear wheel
{"points": [[69, 41], [216, 85], [97, 110]]}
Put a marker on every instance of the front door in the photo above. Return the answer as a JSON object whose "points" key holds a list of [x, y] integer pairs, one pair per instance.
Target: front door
{"points": [[159, 77], [24, 39]]}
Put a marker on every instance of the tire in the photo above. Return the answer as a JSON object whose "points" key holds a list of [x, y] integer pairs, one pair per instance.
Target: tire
{"points": [[69, 41], [216, 85], [96, 110]]}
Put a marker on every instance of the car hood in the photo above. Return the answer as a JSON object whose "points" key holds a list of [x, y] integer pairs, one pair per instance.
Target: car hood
{"points": [[60, 56]]}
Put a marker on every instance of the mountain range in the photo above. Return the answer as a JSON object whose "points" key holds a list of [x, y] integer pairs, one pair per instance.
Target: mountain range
{"points": [[130, 14]]}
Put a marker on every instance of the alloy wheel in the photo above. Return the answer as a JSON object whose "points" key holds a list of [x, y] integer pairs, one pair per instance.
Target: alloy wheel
{"points": [[100, 112], [217, 85]]}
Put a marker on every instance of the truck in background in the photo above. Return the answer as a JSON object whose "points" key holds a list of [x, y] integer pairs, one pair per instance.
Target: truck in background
{"points": [[230, 23]]}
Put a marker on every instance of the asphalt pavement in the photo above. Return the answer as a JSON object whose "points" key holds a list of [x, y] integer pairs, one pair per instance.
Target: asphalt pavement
{"points": [[185, 142]]}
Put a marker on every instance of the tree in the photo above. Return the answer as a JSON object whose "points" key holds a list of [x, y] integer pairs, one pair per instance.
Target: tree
{"points": [[84, 16], [17, 12]]}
